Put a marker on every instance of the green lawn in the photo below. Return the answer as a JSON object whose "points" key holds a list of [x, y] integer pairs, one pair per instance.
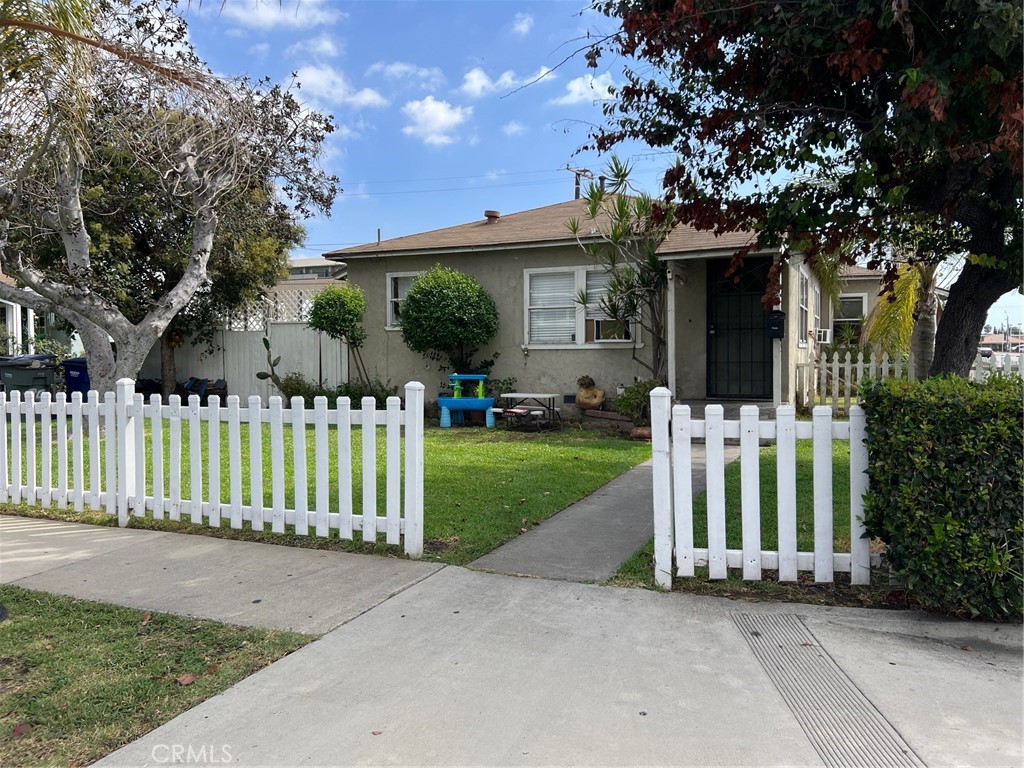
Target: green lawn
{"points": [[79, 679], [483, 487]]}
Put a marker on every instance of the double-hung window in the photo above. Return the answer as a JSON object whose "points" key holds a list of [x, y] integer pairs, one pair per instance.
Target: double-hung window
{"points": [[555, 318], [804, 314], [398, 286], [849, 315]]}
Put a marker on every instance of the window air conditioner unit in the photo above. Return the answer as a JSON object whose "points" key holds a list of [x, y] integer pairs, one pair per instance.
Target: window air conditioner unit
{"points": [[823, 335]]}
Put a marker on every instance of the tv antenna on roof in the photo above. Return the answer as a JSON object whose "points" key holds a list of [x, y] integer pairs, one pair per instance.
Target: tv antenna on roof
{"points": [[578, 172]]}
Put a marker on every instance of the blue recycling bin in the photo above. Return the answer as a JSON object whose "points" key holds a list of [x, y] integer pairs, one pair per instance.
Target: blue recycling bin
{"points": [[76, 376]]}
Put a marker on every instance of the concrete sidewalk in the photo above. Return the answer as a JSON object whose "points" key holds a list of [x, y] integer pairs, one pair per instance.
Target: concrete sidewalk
{"points": [[239, 582], [441, 666], [590, 539]]}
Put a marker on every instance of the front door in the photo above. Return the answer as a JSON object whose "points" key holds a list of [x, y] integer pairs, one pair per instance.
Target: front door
{"points": [[739, 350]]}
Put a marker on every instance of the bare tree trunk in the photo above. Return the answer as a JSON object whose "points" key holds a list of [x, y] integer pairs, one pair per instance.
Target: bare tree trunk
{"points": [[956, 341], [168, 366]]}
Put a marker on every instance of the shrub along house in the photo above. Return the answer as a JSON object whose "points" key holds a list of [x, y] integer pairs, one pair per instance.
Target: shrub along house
{"points": [[718, 343]]}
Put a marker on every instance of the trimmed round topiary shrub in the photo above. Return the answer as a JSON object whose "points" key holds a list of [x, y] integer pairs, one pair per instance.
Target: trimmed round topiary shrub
{"points": [[946, 490], [447, 315]]}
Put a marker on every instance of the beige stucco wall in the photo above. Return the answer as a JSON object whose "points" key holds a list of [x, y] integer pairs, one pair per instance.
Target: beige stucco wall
{"points": [[691, 329], [501, 274]]}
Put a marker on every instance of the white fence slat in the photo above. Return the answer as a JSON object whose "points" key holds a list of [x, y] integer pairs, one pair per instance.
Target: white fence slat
{"points": [[750, 492], [344, 438], [369, 436], [682, 489], [393, 457], [174, 456], [414, 437], [31, 487], [138, 500], [61, 417], [16, 476], [661, 403], [77, 454], [92, 417], [156, 454], [277, 464], [323, 463], [786, 491], [823, 526], [714, 445], [46, 444], [255, 417], [213, 458], [860, 547], [125, 449], [299, 465], [5, 479], [195, 460], [110, 467], [235, 461]]}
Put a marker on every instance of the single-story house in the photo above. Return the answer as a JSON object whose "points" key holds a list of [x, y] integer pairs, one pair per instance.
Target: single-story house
{"points": [[718, 344]]}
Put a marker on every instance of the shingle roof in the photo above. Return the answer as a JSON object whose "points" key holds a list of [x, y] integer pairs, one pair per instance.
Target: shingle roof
{"points": [[539, 226], [855, 271]]}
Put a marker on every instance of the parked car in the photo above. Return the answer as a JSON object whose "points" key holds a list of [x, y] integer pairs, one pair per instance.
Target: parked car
{"points": [[985, 351]]}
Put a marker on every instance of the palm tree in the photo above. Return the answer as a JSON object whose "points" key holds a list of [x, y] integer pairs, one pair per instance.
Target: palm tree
{"points": [[904, 320]]}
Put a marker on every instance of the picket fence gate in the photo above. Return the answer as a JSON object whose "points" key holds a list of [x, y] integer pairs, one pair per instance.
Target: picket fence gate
{"points": [[37, 436], [672, 433]]}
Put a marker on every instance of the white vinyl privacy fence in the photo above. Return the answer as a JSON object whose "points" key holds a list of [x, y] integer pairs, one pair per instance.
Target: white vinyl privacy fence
{"points": [[217, 463], [673, 432]]}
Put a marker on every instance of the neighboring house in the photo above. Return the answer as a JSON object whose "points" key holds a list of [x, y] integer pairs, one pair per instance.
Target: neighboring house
{"points": [[718, 347], [23, 325], [1002, 342]]}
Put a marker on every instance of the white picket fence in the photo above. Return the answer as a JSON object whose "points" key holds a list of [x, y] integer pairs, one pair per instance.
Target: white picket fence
{"points": [[41, 440], [833, 380], [672, 434]]}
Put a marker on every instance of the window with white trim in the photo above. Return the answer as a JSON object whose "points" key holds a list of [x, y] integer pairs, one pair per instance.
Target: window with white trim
{"points": [[849, 313], [398, 286], [553, 316], [804, 314]]}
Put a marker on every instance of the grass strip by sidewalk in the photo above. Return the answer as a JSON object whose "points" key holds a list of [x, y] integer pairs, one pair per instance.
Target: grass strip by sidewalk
{"points": [[483, 487], [80, 679]]}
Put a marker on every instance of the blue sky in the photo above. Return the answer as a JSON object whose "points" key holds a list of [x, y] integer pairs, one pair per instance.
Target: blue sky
{"points": [[443, 108]]}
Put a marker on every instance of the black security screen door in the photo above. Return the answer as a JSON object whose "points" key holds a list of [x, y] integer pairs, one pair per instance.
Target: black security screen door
{"points": [[739, 350]]}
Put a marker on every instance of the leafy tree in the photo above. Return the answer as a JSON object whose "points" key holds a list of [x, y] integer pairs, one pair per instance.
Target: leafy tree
{"points": [[338, 311], [911, 111], [447, 315], [204, 141], [622, 233]]}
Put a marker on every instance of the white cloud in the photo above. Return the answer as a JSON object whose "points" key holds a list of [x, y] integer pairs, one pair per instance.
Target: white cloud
{"points": [[433, 121], [477, 83], [270, 14], [330, 86], [522, 24], [513, 128], [430, 78], [322, 46], [260, 50], [586, 89]]}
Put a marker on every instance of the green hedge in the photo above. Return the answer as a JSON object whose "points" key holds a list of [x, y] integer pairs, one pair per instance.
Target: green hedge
{"points": [[947, 489]]}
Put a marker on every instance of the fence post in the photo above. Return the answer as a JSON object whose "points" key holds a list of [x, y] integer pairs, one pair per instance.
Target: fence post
{"points": [[860, 548], [750, 491], [824, 546], [414, 469], [661, 404], [125, 448]]}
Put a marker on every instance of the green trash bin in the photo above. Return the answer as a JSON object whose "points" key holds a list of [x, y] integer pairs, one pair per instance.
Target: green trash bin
{"points": [[28, 373]]}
